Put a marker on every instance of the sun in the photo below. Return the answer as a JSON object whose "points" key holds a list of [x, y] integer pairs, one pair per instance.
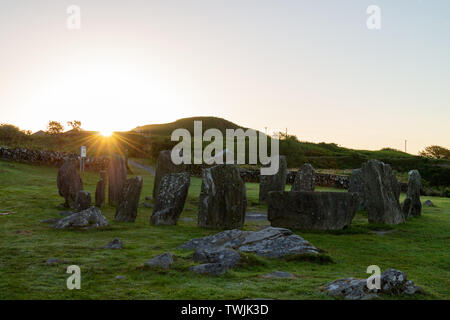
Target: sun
{"points": [[106, 133]]}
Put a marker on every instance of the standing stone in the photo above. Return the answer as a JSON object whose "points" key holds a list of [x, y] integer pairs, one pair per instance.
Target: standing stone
{"points": [[412, 205], [223, 198], [275, 182], [304, 179], [100, 190], [83, 201], [117, 173], [165, 166], [69, 182], [171, 197], [126, 210], [382, 192], [356, 185], [311, 210]]}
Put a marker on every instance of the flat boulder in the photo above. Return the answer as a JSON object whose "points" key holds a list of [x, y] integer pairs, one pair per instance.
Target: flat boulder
{"points": [[304, 179], [428, 203], [312, 210], [382, 192], [163, 261], [86, 219], [411, 206], [275, 182], [69, 182], [216, 261], [164, 165], [171, 197], [126, 210], [223, 198], [356, 185], [269, 242], [392, 282]]}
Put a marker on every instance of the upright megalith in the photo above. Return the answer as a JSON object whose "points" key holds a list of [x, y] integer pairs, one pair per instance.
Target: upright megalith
{"points": [[164, 165], [117, 176], [100, 190], [412, 205], [382, 193], [304, 179], [311, 210], [275, 182], [83, 201], [356, 185], [126, 210], [69, 182], [170, 199], [223, 198]]}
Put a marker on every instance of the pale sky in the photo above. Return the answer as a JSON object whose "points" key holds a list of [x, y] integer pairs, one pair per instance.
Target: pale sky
{"points": [[311, 66]]}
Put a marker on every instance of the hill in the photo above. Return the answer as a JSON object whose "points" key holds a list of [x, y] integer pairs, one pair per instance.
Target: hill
{"points": [[166, 129]]}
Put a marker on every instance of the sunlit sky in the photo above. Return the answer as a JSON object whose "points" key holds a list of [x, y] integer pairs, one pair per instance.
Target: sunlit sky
{"points": [[310, 66]]}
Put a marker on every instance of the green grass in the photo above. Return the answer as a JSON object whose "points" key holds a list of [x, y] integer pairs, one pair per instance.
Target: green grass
{"points": [[419, 247]]}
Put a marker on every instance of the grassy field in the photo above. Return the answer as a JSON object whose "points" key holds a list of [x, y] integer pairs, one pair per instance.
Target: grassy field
{"points": [[419, 247]]}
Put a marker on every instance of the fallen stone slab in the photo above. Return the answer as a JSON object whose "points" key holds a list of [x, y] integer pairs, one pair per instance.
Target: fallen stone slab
{"points": [[392, 282], [86, 219], [255, 216], [51, 220], [66, 213], [312, 210], [216, 261], [162, 261], [269, 242]]}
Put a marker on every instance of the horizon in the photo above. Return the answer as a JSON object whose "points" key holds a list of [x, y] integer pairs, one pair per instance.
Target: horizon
{"points": [[313, 69]]}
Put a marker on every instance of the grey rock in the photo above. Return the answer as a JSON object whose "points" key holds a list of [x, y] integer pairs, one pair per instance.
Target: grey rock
{"points": [[53, 261], [215, 261], [428, 203], [223, 198], [69, 182], [126, 210], [312, 210], [173, 190], [51, 220], [117, 176], [119, 277], [162, 261], [83, 201], [278, 275], [382, 192], [392, 282], [86, 219], [165, 166], [356, 185], [269, 242], [304, 179], [116, 243], [275, 182], [412, 207]]}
